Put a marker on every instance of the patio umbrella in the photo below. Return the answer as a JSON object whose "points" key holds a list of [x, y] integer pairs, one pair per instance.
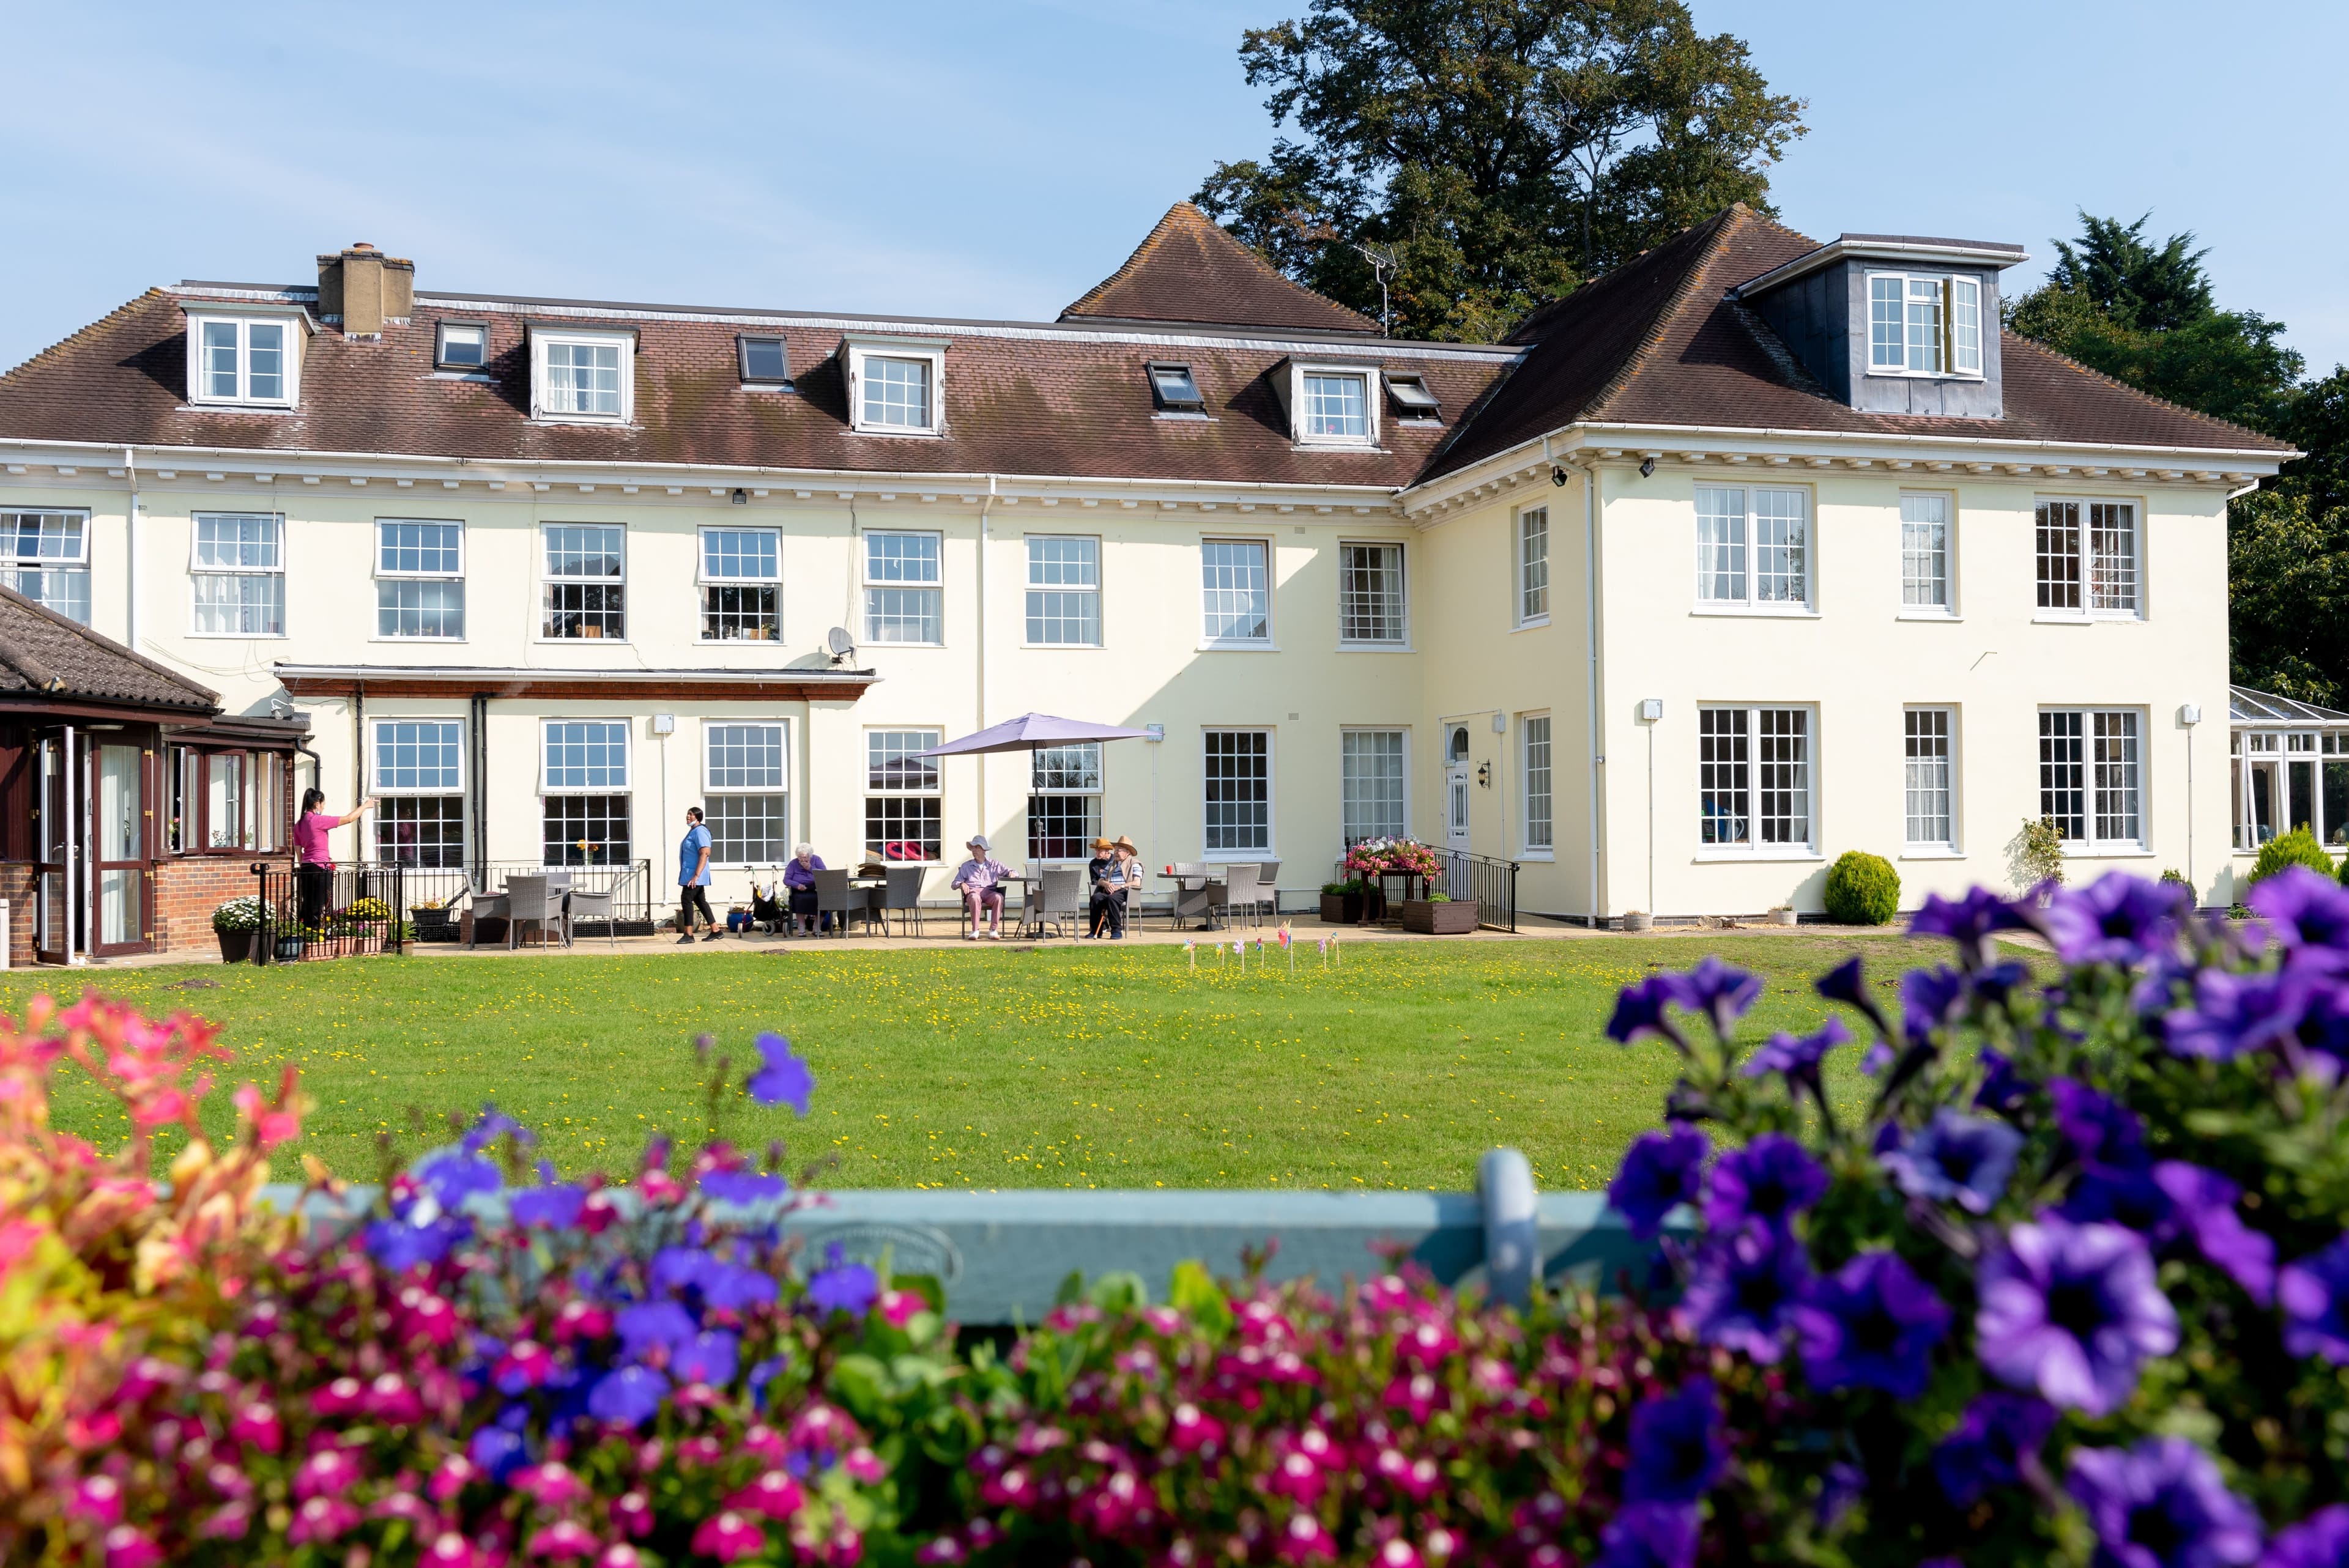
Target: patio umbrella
{"points": [[1032, 732]]}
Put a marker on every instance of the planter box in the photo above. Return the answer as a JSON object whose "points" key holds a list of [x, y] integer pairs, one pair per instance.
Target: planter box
{"points": [[1455, 918], [434, 925], [236, 946], [1342, 909]]}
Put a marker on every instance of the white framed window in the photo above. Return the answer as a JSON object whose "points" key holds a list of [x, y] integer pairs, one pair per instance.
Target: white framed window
{"points": [[1372, 608], [746, 791], [1753, 548], [895, 385], [905, 807], [741, 585], [1236, 592], [1064, 801], [1373, 781], [418, 773], [253, 360], [1064, 591], [583, 787], [49, 562], [2090, 558], [461, 345], [2091, 780], [584, 592], [905, 597], [582, 376], [764, 361], [1753, 780], [1331, 406], [1925, 553], [1924, 324], [419, 572], [1540, 807], [1531, 560], [238, 573], [1238, 795], [1929, 799]]}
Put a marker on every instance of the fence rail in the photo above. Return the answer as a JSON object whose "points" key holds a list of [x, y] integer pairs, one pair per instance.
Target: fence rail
{"points": [[1492, 883], [311, 912], [629, 881]]}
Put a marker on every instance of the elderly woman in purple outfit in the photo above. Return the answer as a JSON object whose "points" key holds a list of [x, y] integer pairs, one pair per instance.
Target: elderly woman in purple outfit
{"points": [[799, 879], [980, 881]]}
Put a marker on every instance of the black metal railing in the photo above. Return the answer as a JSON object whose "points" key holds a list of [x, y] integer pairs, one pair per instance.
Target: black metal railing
{"points": [[437, 896], [1491, 883], [315, 911]]}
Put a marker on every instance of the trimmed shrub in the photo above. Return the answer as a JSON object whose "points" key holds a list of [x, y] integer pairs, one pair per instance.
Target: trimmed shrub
{"points": [[1862, 890], [2297, 848], [2037, 855]]}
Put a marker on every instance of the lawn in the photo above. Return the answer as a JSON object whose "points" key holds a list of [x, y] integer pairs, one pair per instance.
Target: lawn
{"points": [[995, 1068]]}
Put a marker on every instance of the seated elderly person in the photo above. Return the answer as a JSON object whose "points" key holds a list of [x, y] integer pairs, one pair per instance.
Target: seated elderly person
{"points": [[980, 881], [799, 877]]}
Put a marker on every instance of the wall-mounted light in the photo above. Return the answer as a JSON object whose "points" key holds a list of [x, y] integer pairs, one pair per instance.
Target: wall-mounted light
{"points": [[1484, 775], [1647, 467], [741, 498], [1557, 477]]}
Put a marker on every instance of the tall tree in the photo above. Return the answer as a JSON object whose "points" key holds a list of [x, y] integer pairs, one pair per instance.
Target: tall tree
{"points": [[1499, 151]]}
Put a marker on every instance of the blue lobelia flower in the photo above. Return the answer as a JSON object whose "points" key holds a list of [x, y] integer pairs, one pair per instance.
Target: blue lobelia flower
{"points": [[680, 1268], [1971, 922], [455, 1177], [399, 1246], [1998, 1438], [1743, 1285], [2161, 1504], [2233, 1013], [1964, 1160], [784, 1080], [2303, 909], [2116, 919], [2320, 1541], [1842, 1486], [710, 1357], [731, 1287], [491, 1125], [2314, 1292], [629, 1397], [840, 1287], [1770, 1178], [1677, 1447], [744, 1186], [498, 1450], [1872, 1325], [2071, 1311], [651, 1323], [552, 1203], [1650, 1535], [1659, 1171]]}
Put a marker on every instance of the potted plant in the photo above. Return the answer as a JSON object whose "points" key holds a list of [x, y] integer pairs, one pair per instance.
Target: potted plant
{"points": [[1439, 914], [1341, 902], [234, 922], [433, 922]]}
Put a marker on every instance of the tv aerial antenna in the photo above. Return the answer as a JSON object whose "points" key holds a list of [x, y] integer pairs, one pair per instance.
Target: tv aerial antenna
{"points": [[1383, 261]]}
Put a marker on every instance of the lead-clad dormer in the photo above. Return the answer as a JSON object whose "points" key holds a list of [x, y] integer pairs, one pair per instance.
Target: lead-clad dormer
{"points": [[1893, 324]]}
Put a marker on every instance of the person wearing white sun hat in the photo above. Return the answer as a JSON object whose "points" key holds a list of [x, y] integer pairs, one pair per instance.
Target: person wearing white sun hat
{"points": [[980, 881]]}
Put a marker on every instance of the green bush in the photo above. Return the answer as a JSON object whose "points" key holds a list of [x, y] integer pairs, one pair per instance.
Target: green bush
{"points": [[2037, 854], [2297, 848], [1862, 890]]}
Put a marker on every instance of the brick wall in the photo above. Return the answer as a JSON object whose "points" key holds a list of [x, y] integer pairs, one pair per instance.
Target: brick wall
{"points": [[187, 891], [18, 885]]}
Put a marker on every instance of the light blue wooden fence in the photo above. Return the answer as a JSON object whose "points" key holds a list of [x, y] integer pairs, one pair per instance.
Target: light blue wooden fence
{"points": [[1002, 1255]]}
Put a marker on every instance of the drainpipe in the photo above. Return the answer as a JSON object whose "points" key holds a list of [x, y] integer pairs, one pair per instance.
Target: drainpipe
{"points": [[131, 530], [985, 507]]}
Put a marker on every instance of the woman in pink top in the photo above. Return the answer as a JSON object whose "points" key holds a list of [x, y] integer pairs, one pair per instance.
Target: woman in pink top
{"points": [[314, 876]]}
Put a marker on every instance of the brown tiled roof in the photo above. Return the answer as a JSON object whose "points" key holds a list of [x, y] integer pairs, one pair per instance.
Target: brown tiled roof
{"points": [[1191, 269], [43, 654], [1035, 399], [1658, 341]]}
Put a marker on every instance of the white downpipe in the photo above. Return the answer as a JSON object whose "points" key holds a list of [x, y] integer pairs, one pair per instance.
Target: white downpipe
{"points": [[985, 507], [1590, 631], [131, 568]]}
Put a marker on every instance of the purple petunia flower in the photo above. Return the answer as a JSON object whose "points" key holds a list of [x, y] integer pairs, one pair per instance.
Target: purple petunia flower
{"points": [[1930, 1000], [784, 1080], [1848, 983], [1648, 1535], [2161, 1504], [1964, 1160], [1872, 1325], [2071, 1311], [2202, 1205], [399, 1246], [1969, 921], [1719, 991], [2303, 908], [555, 1204], [2002, 1089], [1639, 1009], [2320, 1541], [1770, 1178], [2116, 919], [1998, 1438], [1659, 1171], [629, 1397], [710, 1357], [2314, 1292], [491, 1125], [453, 1178], [1798, 1056], [744, 1186], [1742, 1288], [2233, 1013], [1677, 1447], [651, 1323], [847, 1287], [731, 1287], [680, 1268], [2101, 1128]]}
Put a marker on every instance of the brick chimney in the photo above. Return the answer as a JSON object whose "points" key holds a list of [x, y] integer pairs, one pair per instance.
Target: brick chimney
{"points": [[366, 288]]}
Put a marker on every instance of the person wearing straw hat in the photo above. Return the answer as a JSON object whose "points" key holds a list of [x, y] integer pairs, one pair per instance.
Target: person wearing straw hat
{"points": [[980, 881], [1100, 873], [1127, 877]]}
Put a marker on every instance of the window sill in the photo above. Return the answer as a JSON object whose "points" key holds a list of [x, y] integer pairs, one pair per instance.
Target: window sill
{"points": [[895, 430], [1757, 613], [1535, 625], [2108, 853], [611, 421], [579, 641], [478, 376], [1371, 447], [771, 386], [414, 640], [240, 637], [1182, 416], [192, 406], [1927, 853], [1544, 857], [1927, 615], [1880, 374], [869, 643], [1346, 648], [1738, 857], [738, 642], [1239, 647], [1065, 647], [2107, 618]]}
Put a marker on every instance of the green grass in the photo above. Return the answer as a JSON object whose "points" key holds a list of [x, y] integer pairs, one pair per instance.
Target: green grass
{"points": [[993, 1068]]}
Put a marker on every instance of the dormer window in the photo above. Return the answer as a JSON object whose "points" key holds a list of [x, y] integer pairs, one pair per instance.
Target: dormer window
{"points": [[587, 377], [255, 361], [1923, 325], [462, 346], [1332, 405], [1411, 399], [765, 361], [1176, 389], [893, 385]]}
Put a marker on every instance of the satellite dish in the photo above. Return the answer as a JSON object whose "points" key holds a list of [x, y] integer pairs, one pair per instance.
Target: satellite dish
{"points": [[841, 645]]}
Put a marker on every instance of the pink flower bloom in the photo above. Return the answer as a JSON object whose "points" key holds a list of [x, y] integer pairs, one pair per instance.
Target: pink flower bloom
{"points": [[620, 1555], [340, 1397], [1494, 1376], [1302, 1540], [228, 1523], [702, 1450], [256, 1423], [127, 1547], [580, 1320], [898, 1307], [525, 1364], [728, 1536], [1163, 1320], [451, 1478], [322, 1519], [1315, 1445], [1424, 1344], [329, 1472], [563, 1540], [762, 1442], [633, 1511], [1117, 1504], [1415, 1478], [863, 1465], [946, 1550], [97, 1501], [551, 1484], [1417, 1393], [450, 1550], [427, 1316], [1013, 1488], [404, 1505], [1396, 1554], [1296, 1476], [1387, 1292], [1439, 1544], [1192, 1429], [774, 1495], [228, 1481], [982, 1533]]}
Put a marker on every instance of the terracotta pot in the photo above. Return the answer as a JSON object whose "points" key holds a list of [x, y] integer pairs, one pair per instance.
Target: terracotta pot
{"points": [[1456, 917]]}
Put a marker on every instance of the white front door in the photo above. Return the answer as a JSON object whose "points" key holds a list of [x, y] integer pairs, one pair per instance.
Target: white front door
{"points": [[1455, 806]]}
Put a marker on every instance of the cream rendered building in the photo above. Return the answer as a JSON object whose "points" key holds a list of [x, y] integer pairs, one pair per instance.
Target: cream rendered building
{"points": [[1751, 552]]}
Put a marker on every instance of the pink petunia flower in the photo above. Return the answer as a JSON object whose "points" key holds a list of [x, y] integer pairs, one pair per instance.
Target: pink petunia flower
{"points": [[1302, 1540], [322, 1519], [552, 1485], [329, 1472], [340, 1398], [389, 1400], [450, 1550], [97, 1501], [129, 1547], [257, 1424], [632, 1511], [774, 1495], [563, 1540], [729, 1537]]}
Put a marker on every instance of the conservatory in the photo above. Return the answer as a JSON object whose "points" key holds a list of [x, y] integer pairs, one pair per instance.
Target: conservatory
{"points": [[2289, 769]]}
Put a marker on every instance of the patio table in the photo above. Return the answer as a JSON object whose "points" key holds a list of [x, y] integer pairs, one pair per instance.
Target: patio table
{"points": [[1193, 882]]}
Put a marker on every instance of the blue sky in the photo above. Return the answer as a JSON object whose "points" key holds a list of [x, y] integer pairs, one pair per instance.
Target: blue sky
{"points": [[999, 159]]}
